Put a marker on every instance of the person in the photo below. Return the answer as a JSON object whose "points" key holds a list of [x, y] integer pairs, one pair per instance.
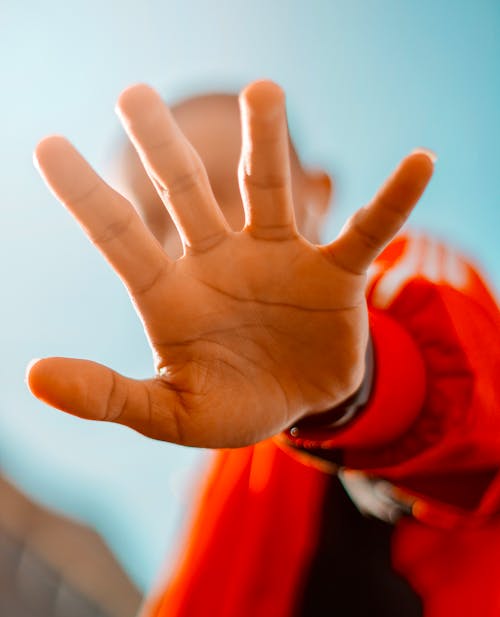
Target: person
{"points": [[309, 367]]}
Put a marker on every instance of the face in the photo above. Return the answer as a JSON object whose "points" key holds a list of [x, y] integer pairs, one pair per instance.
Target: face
{"points": [[212, 125]]}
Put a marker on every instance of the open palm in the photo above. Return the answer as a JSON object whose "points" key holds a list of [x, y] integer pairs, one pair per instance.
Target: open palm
{"points": [[250, 330]]}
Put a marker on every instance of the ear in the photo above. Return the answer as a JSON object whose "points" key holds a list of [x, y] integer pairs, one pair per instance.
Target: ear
{"points": [[320, 190]]}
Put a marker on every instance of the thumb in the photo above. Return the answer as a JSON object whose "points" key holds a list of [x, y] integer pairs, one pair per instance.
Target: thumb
{"points": [[95, 392]]}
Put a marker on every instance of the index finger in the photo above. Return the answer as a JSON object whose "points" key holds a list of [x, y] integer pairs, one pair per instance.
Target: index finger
{"points": [[174, 167]]}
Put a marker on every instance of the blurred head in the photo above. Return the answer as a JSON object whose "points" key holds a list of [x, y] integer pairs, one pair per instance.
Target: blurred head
{"points": [[212, 124]]}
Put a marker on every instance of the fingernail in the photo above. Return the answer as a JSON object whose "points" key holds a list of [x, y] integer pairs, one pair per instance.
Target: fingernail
{"points": [[429, 153]]}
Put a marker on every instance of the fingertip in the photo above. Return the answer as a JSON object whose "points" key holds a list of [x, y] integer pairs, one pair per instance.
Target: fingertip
{"points": [[422, 161], [135, 99], [38, 373], [30, 373], [262, 96], [63, 168], [63, 383], [48, 147], [427, 152], [39, 377], [415, 170]]}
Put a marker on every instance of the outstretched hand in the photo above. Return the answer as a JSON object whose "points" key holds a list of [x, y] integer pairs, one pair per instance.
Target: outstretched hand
{"points": [[251, 330]]}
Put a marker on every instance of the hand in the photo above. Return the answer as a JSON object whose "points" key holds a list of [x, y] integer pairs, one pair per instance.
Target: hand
{"points": [[250, 331]]}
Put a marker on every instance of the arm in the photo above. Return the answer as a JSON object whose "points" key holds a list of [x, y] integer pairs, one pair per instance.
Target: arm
{"points": [[438, 384]]}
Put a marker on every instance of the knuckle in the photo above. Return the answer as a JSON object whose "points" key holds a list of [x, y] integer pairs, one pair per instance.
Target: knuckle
{"points": [[183, 183], [116, 400], [368, 237], [398, 210], [166, 142], [207, 243], [264, 181], [86, 195], [152, 282], [114, 230]]}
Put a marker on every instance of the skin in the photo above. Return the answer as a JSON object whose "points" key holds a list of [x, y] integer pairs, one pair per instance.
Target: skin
{"points": [[212, 124], [251, 328]]}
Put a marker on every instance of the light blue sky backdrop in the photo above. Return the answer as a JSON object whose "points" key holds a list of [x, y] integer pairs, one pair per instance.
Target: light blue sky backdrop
{"points": [[367, 81]]}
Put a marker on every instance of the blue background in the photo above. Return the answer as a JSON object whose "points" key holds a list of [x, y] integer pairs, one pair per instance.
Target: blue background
{"points": [[367, 81]]}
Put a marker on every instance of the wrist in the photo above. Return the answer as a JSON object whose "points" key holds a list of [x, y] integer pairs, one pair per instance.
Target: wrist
{"points": [[346, 410], [397, 397]]}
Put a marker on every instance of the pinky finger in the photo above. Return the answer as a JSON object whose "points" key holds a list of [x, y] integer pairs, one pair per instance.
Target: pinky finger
{"points": [[372, 227]]}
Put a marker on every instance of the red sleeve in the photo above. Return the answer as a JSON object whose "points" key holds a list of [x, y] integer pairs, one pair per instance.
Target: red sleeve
{"points": [[432, 425]]}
